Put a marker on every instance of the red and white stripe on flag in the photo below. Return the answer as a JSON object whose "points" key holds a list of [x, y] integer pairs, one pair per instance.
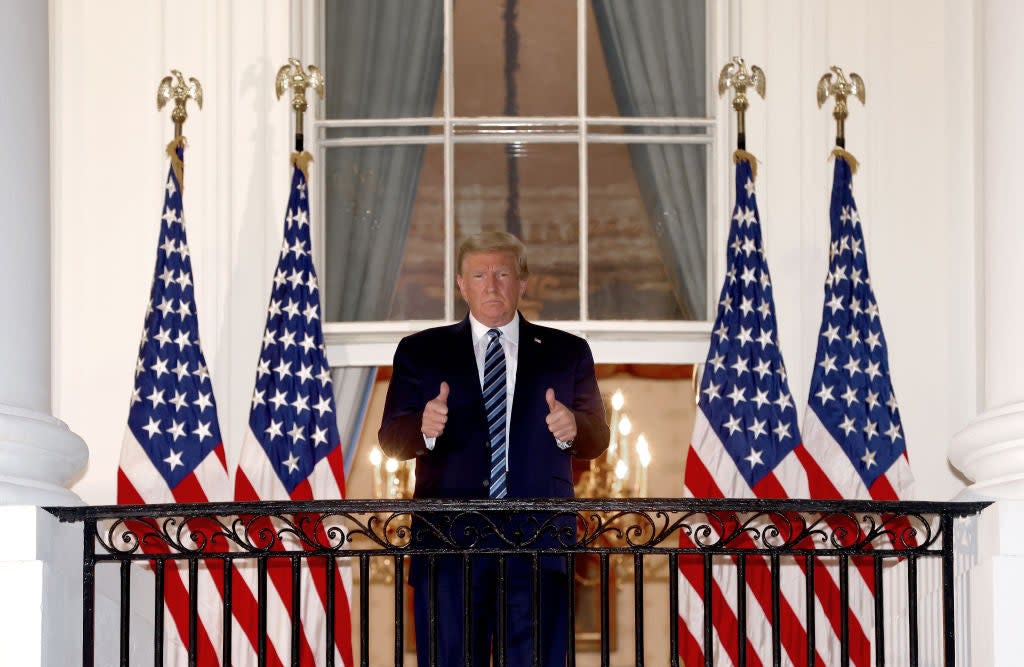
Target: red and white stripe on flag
{"points": [[172, 450], [707, 476], [292, 451]]}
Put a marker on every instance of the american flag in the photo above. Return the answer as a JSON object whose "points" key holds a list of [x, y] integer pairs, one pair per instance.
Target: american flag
{"points": [[292, 449], [852, 424], [744, 397], [745, 444], [172, 450]]}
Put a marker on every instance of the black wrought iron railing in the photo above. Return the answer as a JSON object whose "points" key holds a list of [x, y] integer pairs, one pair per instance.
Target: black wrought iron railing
{"points": [[712, 581]]}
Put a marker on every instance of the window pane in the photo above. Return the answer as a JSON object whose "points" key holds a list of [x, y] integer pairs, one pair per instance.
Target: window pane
{"points": [[384, 235], [382, 58], [646, 58], [518, 63], [648, 231], [530, 190]]}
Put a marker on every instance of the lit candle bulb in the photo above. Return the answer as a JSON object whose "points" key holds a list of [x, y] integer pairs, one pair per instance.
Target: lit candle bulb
{"points": [[625, 428], [376, 457], [618, 400], [643, 456], [391, 466], [643, 450], [625, 425]]}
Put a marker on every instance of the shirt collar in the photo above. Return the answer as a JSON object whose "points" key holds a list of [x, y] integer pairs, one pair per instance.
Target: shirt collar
{"points": [[509, 332]]}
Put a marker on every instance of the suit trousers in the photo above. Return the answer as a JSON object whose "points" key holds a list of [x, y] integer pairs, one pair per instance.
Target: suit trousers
{"points": [[485, 638]]}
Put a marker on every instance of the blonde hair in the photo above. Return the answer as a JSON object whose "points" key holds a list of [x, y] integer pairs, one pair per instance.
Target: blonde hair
{"points": [[494, 242]]}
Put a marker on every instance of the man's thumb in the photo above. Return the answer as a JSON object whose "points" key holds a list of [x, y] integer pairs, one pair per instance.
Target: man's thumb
{"points": [[549, 396], [443, 394]]}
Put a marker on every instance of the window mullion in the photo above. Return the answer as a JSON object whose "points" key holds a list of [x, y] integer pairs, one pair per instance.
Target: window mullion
{"points": [[449, 162], [583, 186]]}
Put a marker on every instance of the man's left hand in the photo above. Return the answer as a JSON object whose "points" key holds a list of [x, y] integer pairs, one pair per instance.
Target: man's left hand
{"points": [[561, 421]]}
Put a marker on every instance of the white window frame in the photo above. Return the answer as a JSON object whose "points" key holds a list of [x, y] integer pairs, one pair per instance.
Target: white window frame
{"points": [[612, 341]]}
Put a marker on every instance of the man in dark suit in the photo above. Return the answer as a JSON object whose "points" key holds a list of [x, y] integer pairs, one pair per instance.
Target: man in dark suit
{"points": [[493, 407]]}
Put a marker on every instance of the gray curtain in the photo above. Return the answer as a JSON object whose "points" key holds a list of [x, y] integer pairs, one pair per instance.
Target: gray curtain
{"points": [[655, 54], [382, 60]]}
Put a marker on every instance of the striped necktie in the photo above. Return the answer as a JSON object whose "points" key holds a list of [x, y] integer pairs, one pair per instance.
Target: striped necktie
{"points": [[495, 400]]}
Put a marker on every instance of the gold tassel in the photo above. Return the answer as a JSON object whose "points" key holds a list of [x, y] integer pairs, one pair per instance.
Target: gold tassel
{"points": [[846, 155], [176, 164], [302, 160], [744, 156]]}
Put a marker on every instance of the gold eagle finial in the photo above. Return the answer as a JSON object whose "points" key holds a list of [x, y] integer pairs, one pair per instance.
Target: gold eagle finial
{"points": [[174, 87], [836, 84], [296, 78], [735, 75], [293, 76]]}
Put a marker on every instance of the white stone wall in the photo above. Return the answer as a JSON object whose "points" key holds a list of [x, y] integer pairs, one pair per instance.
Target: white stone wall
{"points": [[916, 192], [109, 167]]}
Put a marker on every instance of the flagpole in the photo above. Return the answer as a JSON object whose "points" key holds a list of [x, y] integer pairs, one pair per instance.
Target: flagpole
{"points": [[835, 84], [292, 448], [292, 76], [176, 455], [735, 75], [174, 87]]}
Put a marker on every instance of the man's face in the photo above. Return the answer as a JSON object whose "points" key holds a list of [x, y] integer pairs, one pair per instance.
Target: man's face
{"points": [[491, 285]]}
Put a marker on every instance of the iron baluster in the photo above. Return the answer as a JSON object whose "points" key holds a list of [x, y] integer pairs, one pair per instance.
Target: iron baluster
{"points": [[126, 610], [879, 613], [638, 607]]}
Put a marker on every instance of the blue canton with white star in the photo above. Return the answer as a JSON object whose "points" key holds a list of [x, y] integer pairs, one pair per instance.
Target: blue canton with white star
{"points": [[173, 414], [292, 414], [851, 390], [744, 392]]}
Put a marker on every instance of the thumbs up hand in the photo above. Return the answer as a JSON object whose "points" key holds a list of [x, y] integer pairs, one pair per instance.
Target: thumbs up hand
{"points": [[561, 421], [435, 413]]}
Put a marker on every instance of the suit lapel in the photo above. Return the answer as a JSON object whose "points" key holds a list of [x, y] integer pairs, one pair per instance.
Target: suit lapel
{"points": [[465, 373], [526, 371]]}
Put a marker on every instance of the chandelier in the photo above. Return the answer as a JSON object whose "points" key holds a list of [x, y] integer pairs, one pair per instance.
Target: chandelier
{"points": [[621, 471]]}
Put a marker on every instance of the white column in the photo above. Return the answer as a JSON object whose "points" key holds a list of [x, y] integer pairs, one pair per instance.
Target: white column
{"points": [[38, 453], [990, 450]]}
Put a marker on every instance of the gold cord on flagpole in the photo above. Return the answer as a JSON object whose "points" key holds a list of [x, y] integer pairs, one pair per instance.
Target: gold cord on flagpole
{"points": [[302, 160], [176, 164], [292, 76], [740, 155], [735, 75], [848, 156], [174, 87], [836, 84]]}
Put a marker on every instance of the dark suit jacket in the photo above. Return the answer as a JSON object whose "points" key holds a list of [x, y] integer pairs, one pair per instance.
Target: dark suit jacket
{"points": [[459, 464]]}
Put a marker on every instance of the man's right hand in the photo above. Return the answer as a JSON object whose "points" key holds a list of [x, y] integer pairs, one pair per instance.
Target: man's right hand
{"points": [[435, 413]]}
